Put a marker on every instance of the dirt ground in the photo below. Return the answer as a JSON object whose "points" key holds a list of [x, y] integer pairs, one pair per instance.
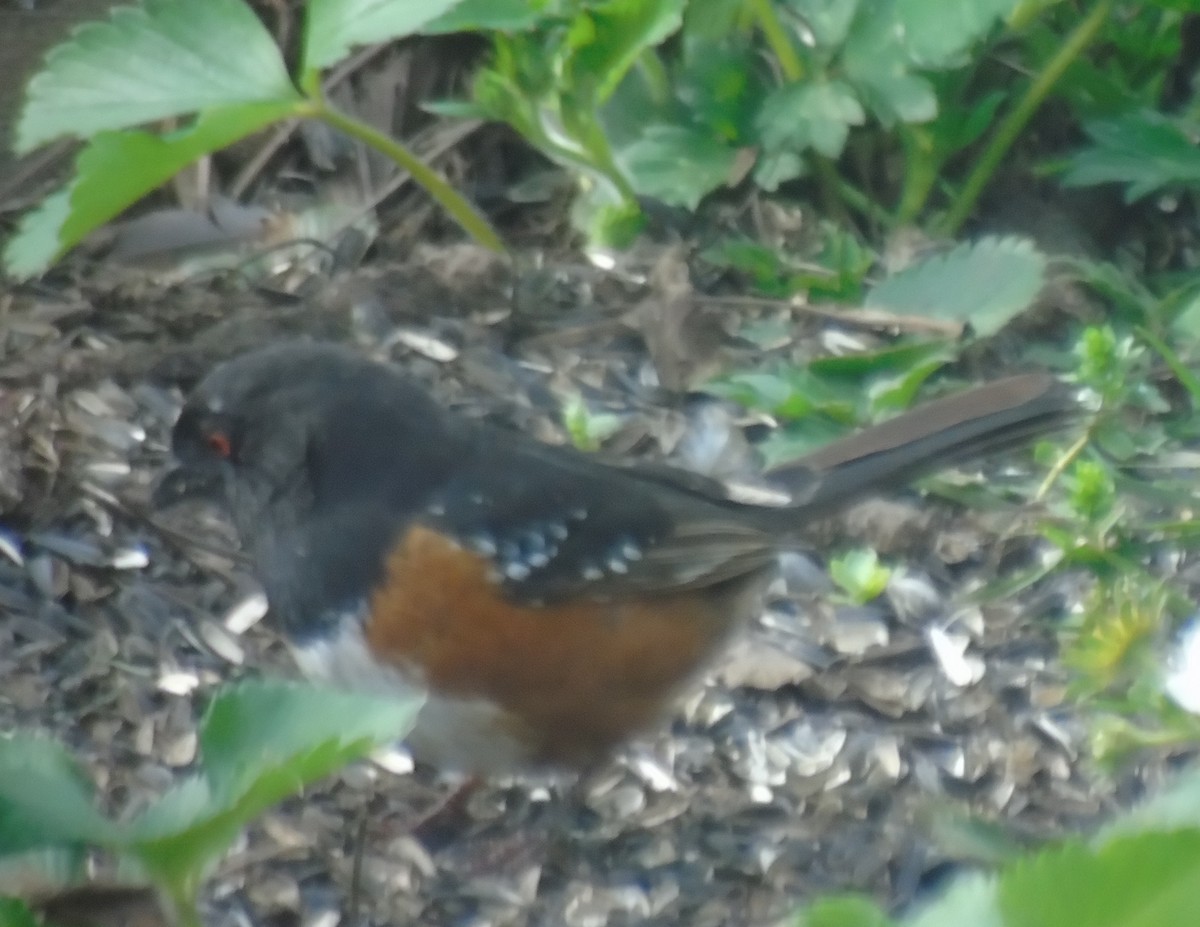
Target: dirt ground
{"points": [[819, 756]]}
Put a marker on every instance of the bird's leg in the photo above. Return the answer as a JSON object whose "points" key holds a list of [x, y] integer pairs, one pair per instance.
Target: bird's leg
{"points": [[446, 821]]}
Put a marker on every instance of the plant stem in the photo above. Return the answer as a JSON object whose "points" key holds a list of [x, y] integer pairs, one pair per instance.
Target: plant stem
{"points": [[655, 76], [856, 199], [921, 165], [1012, 124], [462, 211], [777, 38], [1181, 370], [181, 900]]}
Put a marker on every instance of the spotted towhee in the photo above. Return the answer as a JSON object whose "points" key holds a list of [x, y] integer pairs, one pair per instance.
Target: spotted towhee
{"points": [[548, 603]]}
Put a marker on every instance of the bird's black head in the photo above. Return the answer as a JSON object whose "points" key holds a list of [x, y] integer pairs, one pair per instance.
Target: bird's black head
{"points": [[276, 432]]}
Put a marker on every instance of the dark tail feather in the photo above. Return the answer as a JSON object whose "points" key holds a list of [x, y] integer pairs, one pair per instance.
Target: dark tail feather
{"points": [[978, 422]]}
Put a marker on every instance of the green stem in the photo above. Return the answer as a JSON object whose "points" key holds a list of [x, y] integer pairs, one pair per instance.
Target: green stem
{"points": [[920, 172], [181, 898], [856, 199], [462, 211], [777, 38], [1012, 124], [655, 76], [1181, 370]]}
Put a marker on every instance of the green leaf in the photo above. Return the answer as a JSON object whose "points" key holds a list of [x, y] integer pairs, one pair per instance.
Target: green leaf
{"points": [[167, 58], [38, 240], [717, 87], [45, 800], [984, 284], [334, 27], [877, 63], [799, 116], [844, 911], [828, 20], [1145, 150], [486, 15], [899, 391], [255, 726], [939, 33], [789, 394], [14, 913], [620, 31], [860, 574], [774, 168], [892, 359], [116, 168], [260, 742], [588, 429], [1147, 879], [676, 164]]}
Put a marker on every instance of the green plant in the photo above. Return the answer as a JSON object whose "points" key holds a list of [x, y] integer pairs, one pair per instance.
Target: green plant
{"points": [[587, 429], [675, 99], [259, 743], [859, 575], [1138, 870], [936, 299], [170, 61], [1145, 150], [596, 86]]}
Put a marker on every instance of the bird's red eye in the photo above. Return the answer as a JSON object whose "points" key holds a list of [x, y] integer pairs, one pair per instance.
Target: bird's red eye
{"points": [[218, 443]]}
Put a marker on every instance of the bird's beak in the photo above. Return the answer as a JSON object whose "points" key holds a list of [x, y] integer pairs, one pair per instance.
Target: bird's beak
{"points": [[188, 483]]}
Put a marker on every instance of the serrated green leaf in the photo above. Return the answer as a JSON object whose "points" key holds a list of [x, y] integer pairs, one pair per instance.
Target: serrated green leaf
{"points": [[333, 27], [45, 800], [818, 115], [1137, 881], [255, 726], [677, 165], [37, 241], [260, 742], [620, 31], [485, 15], [939, 33], [166, 58], [877, 63], [1145, 150], [985, 284], [114, 170]]}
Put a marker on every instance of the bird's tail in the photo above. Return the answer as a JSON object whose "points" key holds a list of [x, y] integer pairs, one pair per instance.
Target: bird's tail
{"points": [[972, 424]]}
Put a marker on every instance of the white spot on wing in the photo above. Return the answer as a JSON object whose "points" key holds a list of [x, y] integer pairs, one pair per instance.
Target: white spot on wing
{"points": [[516, 571]]}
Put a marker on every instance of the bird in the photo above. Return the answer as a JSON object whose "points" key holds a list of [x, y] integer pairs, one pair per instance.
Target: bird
{"points": [[547, 603]]}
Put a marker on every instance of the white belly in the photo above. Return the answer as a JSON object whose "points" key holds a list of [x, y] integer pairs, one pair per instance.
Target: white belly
{"points": [[470, 736]]}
